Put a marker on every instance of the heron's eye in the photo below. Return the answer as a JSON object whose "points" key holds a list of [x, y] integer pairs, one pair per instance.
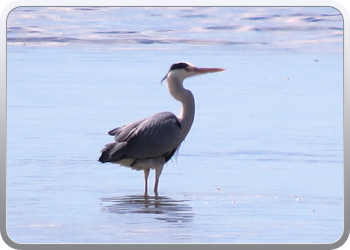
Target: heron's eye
{"points": [[190, 69]]}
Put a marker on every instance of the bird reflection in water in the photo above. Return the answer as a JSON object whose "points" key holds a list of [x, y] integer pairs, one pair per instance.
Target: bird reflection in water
{"points": [[164, 208]]}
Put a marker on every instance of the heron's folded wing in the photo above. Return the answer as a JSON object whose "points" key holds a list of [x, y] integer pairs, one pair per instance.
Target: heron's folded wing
{"points": [[155, 136], [122, 133]]}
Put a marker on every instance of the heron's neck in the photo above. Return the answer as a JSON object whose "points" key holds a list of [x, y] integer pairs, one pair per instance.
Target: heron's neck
{"points": [[185, 96], [186, 116]]}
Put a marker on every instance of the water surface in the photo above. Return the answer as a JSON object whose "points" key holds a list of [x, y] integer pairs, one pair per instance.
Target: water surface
{"points": [[262, 163]]}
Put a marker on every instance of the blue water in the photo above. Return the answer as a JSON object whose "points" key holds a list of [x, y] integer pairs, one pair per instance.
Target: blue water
{"points": [[262, 163]]}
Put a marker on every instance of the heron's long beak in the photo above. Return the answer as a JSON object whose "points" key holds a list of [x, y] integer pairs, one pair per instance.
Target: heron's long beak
{"points": [[208, 70], [198, 70]]}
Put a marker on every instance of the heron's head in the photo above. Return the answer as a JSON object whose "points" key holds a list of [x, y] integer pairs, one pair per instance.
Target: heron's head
{"points": [[182, 70]]}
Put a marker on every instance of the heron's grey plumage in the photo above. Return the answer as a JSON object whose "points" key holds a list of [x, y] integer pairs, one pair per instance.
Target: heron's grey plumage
{"points": [[152, 137], [151, 142]]}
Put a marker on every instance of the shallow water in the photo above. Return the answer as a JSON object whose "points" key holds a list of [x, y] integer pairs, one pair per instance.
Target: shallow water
{"points": [[263, 161]]}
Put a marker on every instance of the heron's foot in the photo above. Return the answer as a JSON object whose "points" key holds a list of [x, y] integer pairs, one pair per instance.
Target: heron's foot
{"points": [[156, 194]]}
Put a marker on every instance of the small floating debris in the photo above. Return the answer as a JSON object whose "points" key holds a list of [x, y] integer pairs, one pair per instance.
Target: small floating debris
{"points": [[287, 78], [312, 210], [298, 199], [218, 189]]}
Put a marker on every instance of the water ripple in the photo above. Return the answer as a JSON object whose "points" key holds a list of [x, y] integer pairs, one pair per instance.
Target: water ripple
{"points": [[166, 26]]}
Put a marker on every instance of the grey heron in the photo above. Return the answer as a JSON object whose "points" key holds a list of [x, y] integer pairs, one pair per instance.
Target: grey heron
{"points": [[151, 142]]}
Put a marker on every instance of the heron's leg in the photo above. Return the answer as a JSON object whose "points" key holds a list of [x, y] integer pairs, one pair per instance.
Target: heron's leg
{"points": [[158, 173], [146, 173]]}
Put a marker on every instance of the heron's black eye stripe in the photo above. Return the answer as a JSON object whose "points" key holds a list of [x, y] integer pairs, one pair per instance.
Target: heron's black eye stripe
{"points": [[180, 65]]}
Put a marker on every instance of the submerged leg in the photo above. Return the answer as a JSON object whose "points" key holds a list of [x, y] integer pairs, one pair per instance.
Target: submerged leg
{"points": [[158, 173], [146, 173]]}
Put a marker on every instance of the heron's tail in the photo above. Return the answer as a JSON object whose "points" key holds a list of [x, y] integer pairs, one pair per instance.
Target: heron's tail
{"points": [[112, 152], [106, 152], [104, 157]]}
